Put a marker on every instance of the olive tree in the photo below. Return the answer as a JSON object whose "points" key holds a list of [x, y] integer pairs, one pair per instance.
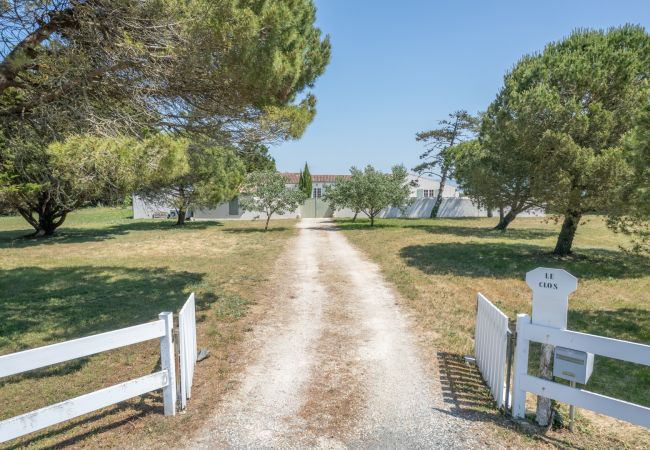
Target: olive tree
{"points": [[370, 191], [267, 192]]}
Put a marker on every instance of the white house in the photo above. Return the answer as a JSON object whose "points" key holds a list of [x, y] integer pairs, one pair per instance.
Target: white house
{"points": [[423, 192]]}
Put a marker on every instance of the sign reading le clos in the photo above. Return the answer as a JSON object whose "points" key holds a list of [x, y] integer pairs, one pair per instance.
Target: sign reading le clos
{"points": [[551, 289]]}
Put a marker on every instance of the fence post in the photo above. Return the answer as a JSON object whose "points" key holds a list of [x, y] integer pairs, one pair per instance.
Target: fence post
{"points": [[510, 350], [168, 363], [521, 368]]}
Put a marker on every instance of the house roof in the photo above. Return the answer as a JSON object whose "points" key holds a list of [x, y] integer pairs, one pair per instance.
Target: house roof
{"points": [[293, 177]]}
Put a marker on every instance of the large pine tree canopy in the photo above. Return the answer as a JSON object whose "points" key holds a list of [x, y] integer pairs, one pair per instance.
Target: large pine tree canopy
{"points": [[236, 70], [225, 74]]}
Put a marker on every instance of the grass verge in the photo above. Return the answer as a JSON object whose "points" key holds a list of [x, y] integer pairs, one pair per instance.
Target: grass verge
{"points": [[439, 265], [104, 271]]}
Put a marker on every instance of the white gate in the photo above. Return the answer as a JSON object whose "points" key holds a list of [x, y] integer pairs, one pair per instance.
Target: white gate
{"points": [[599, 345], [165, 379], [491, 347], [187, 342]]}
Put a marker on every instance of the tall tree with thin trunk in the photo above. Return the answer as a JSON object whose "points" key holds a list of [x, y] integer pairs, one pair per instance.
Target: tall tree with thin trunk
{"points": [[436, 160]]}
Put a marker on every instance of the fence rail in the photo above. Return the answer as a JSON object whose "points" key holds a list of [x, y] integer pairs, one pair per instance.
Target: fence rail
{"points": [[15, 363], [165, 379], [188, 349], [491, 347], [599, 345]]}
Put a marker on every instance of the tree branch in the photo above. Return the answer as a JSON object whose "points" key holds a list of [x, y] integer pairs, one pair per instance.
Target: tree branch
{"points": [[9, 69]]}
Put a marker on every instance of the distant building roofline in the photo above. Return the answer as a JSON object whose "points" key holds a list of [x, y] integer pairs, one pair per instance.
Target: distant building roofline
{"points": [[293, 177]]}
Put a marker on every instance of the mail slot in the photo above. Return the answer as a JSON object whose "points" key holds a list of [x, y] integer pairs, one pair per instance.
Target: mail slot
{"points": [[573, 365]]}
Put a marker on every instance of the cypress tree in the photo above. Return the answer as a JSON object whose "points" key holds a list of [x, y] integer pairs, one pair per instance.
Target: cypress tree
{"points": [[301, 182], [305, 183]]}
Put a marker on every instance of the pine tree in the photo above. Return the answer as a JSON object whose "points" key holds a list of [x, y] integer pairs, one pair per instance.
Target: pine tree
{"points": [[436, 159]]}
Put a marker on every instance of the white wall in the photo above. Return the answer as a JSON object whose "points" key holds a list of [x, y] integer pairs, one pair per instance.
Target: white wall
{"points": [[450, 207], [147, 210], [419, 208], [222, 211], [430, 184]]}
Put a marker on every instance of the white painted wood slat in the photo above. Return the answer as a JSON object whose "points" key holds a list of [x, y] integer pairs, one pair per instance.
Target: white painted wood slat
{"points": [[188, 347], [168, 363], [612, 348], [599, 345], [69, 409], [15, 363], [630, 412], [490, 343]]}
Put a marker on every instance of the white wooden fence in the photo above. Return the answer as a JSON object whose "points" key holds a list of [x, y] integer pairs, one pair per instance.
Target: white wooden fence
{"points": [[491, 347], [612, 348], [187, 342], [165, 379]]}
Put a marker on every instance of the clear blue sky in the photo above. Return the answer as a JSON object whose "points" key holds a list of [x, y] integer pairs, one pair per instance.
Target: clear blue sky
{"points": [[400, 66]]}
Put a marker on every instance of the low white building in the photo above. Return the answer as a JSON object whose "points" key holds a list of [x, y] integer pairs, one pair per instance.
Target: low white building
{"points": [[424, 191]]}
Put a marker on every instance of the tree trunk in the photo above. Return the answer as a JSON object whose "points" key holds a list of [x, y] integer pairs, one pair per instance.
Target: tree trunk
{"points": [[436, 205], [356, 213], [502, 213], [372, 220], [268, 219], [489, 211], [47, 222], [180, 220], [568, 232], [506, 220], [544, 404]]}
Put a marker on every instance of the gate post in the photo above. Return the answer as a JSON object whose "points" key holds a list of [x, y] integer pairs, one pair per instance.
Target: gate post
{"points": [[521, 368], [168, 363]]}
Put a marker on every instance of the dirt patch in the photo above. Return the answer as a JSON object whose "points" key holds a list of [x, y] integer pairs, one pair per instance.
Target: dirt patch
{"points": [[336, 391]]}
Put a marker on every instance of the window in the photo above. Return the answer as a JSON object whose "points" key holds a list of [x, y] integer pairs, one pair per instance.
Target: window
{"points": [[317, 193], [429, 193], [233, 207]]}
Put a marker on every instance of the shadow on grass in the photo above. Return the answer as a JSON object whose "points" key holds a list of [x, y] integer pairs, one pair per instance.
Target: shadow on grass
{"points": [[254, 230], [96, 423], [70, 302], [613, 377], [66, 235], [441, 226], [513, 260]]}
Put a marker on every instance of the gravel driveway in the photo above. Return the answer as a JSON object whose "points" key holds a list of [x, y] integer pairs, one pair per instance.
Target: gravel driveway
{"points": [[334, 365]]}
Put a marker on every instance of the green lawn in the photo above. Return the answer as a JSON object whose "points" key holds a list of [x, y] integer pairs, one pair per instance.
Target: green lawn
{"points": [[439, 265], [104, 271]]}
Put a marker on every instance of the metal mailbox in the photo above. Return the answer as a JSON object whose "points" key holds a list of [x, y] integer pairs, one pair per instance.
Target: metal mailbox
{"points": [[573, 365]]}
